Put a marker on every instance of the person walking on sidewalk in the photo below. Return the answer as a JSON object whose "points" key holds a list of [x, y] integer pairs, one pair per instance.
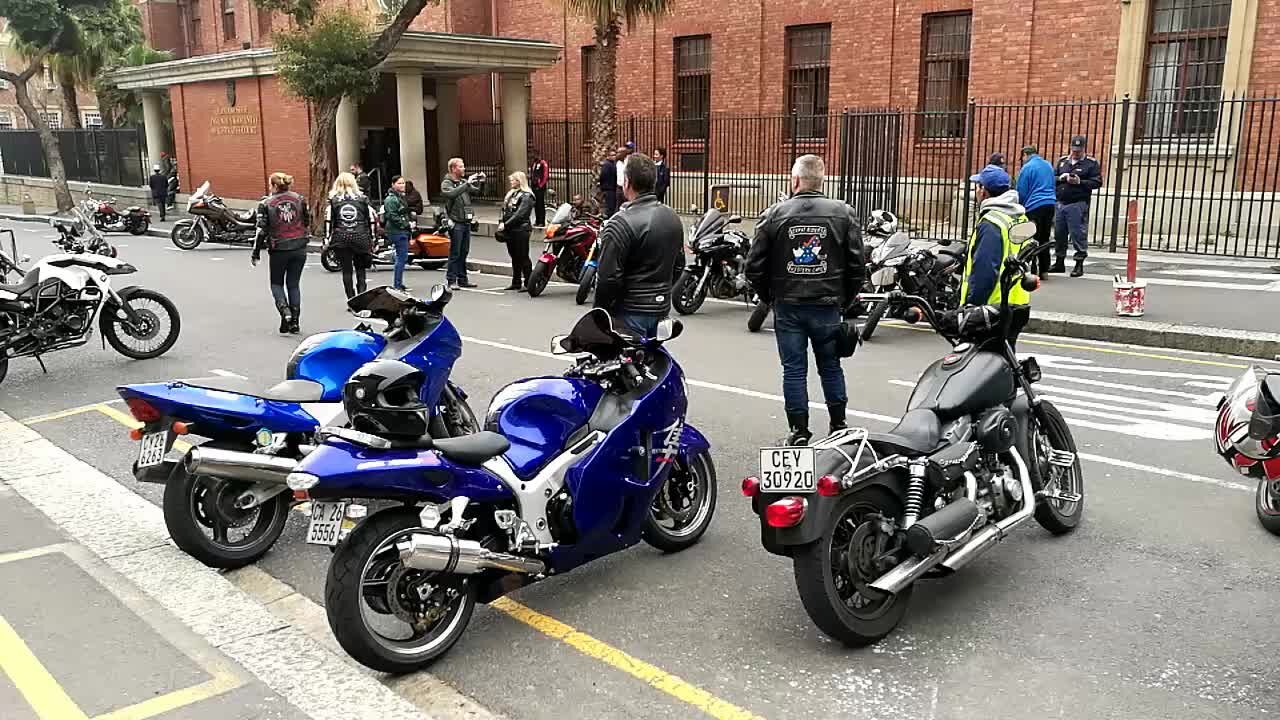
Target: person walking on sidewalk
{"points": [[664, 174], [1037, 195], [807, 260], [1078, 175], [539, 179], [514, 228], [457, 205], [396, 219], [159, 184], [991, 245], [283, 220], [642, 254], [350, 232]]}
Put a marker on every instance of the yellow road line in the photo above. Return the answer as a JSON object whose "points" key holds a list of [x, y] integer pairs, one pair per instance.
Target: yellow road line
{"points": [[45, 696], [34, 552], [70, 412], [639, 669], [221, 682]]}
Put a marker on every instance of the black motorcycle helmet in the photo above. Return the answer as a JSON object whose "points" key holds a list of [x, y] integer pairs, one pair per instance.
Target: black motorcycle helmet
{"points": [[384, 398]]}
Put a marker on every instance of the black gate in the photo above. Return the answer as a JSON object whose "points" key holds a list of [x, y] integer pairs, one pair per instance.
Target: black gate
{"points": [[871, 142], [109, 157]]}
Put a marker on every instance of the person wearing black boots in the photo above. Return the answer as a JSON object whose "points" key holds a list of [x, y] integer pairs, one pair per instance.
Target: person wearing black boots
{"points": [[514, 228], [283, 229], [807, 260]]}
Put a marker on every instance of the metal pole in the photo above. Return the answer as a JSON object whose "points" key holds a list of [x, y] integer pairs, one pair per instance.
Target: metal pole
{"points": [[968, 162], [1117, 160], [845, 183], [706, 166], [795, 134], [568, 165]]}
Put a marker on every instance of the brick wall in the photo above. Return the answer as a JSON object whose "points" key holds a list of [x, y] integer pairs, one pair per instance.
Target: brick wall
{"points": [[42, 95], [162, 24]]}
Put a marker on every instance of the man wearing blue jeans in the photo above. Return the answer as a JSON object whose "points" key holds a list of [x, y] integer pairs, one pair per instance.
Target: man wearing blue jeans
{"points": [[457, 205], [807, 260]]}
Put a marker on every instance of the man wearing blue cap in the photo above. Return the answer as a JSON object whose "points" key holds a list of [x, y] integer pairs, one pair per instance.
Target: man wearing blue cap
{"points": [[992, 243]]}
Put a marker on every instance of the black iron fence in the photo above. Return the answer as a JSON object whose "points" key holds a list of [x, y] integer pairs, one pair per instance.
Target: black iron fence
{"points": [[1211, 186], [109, 157]]}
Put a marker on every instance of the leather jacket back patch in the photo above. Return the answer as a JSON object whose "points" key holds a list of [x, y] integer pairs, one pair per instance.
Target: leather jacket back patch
{"points": [[808, 243]]}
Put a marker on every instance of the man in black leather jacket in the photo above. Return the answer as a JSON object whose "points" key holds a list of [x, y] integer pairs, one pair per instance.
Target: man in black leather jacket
{"points": [[807, 260], [642, 254]]}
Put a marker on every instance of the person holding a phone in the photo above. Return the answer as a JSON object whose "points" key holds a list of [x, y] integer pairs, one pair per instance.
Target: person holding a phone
{"points": [[457, 190], [1078, 175]]}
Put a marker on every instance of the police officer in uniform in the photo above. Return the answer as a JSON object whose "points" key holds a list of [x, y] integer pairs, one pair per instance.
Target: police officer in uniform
{"points": [[350, 230], [990, 246], [283, 219], [1078, 175]]}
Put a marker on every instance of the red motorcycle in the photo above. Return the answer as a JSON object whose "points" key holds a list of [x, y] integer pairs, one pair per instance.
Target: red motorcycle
{"points": [[135, 220], [570, 236], [1248, 437]]}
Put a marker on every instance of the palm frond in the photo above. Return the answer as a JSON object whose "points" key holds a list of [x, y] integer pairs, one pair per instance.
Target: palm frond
{"points": [[603, 13]]}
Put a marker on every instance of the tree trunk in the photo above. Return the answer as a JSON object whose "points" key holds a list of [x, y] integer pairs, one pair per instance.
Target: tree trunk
{"points": [[108, 113], [324, 158], [67, 85], [49, 144], [604, 123]]}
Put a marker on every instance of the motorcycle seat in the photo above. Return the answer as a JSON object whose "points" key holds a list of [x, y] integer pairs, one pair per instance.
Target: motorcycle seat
{"points": [[917, 433], [471, 449], [956, 253], [294, 391]]}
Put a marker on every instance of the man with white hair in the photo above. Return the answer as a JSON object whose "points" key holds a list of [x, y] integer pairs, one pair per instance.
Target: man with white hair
{"points": [[807, 260]]}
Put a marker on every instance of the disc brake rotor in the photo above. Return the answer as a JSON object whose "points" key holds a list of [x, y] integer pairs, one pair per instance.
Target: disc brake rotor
{"points": [[147, 327], [676, 500], [415, 600]]}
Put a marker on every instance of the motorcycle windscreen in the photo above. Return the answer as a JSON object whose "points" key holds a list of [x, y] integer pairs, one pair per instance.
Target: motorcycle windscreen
{"points": [[894, 246], [711, 222], [563, 215]]}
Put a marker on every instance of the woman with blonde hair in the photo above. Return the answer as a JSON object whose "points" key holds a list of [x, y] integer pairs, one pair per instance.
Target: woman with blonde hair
{"points": [[515, 227], [349, 231], [283, 229]]}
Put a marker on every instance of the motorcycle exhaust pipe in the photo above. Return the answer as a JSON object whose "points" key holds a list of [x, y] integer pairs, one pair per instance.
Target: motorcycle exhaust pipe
{"points": [[894, 581], [442, 553], [233, 465], [993, 534]]}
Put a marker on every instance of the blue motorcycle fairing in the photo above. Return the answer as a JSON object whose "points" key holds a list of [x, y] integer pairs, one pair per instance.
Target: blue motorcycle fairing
{"points": [[217, 413], [435, 354], [539, 415], [347, 470], [692, 442], [329, 358]]}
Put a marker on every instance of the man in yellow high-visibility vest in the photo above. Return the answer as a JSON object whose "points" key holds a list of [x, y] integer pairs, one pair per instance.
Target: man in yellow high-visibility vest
{"points": [[991, 243]]}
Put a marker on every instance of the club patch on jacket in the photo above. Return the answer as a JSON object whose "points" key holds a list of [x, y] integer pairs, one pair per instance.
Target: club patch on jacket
{"points": [[808, 256]]}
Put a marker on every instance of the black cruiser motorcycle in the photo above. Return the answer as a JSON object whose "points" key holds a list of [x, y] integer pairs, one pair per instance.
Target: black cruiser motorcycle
{"points": [[864, 515]]}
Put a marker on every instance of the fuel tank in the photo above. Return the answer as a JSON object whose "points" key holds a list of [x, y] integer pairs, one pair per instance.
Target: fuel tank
{"points": [[538, 415], [963, 382], [330, 358]]}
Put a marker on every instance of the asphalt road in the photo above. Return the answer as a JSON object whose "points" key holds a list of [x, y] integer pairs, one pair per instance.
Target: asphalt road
{"points": [[1158, 606]]}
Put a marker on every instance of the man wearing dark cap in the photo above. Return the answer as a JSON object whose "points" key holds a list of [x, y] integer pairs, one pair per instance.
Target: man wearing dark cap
{"points": [[998, 160], [1078, 175], [1036, 192], [991, 245]]}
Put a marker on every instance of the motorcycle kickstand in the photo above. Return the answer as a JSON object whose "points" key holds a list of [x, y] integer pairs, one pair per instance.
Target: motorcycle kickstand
{"points": [[43, 369]]}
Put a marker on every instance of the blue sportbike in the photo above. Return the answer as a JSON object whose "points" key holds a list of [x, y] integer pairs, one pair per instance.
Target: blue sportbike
{"points": [[569, 469], [225, 501]]}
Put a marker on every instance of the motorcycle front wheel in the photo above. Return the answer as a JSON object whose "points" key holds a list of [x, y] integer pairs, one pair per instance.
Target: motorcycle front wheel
{"points": [[152, 334], [688, 297], [538, 279], [873, 319], [329, 260], [759, 314], [834, 573], [186, 235], [387, 616], [140, 227], [1057, 516], [1267, 500], [201, 517], [586, 285], [682, 511]]}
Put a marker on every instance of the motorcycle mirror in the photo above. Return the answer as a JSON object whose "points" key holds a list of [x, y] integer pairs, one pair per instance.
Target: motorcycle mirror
{"points": [[1030, 282], [557, 345], [913, 315], [669, 329], [438, 292]]}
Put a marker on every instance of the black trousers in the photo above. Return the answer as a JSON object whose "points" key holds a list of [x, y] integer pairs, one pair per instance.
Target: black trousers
{"points": [[540, 206], [1043, 219], [161, 201], [286, 275], [610, 202], [518, 249], [352, 263]]}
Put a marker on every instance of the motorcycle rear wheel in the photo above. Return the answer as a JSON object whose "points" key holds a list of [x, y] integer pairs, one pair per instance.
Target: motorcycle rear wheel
{"points": [[140, 228], [538, 279], [186, 235], [1057, 516], [195, 503], [586, 285], [687, 500], [759, 314], [688, 297], [1267, 503], [873, 319], [151, 305], [368, 589], [825, 573], [329, 260]]}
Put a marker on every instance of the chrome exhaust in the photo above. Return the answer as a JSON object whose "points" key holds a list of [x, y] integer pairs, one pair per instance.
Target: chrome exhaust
{"points": [[233, 465], [907, 572], [442, 553]]}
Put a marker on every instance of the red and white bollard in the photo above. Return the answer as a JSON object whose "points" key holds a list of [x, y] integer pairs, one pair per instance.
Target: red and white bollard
{"points": [[1130, 292]]}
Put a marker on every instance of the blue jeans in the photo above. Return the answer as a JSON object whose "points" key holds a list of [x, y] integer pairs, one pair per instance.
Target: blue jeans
{"points": [[1072, 221], [401, 243], [459, 246], [646, 326], [794, 327]]}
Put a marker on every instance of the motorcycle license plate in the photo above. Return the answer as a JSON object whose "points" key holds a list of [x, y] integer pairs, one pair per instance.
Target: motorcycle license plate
{"points": [[884, 277], [788, 470], [326, 522], [152, 450]]}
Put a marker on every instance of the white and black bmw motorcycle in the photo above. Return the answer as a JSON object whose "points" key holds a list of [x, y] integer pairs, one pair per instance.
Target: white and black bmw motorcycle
{"points": [[55, 305]]}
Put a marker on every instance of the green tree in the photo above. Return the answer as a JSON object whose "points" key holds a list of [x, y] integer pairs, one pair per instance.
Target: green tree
{"points": [[50, 27], [332, 55], [123, 108], [608, 17]]}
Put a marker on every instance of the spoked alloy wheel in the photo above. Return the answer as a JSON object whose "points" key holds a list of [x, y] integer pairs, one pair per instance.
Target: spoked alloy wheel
{"points": [[203, 520], [1056, 515], [683, 508], [153, 332], [387, 616], [835, 573]]}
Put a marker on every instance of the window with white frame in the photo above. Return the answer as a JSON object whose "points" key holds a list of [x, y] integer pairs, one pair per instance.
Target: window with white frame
{"points": [[49, 84], [4, 65], [52, 118], [6, 120], [92, 118]]}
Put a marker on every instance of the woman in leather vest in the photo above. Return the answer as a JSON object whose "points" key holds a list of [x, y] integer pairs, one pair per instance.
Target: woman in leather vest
{"points": [[283, 229], [349, 225]]}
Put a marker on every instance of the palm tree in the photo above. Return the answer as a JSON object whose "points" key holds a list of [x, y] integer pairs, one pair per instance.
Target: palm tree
{"points": [[608, 17], [124, 107]]}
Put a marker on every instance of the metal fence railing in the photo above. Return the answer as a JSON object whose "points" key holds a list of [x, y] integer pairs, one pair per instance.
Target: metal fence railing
{"points": [[1203, 187], [110, 157]]}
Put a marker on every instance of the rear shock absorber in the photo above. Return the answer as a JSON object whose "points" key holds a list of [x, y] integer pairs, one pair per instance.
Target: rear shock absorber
{"points": [[915, 493]]}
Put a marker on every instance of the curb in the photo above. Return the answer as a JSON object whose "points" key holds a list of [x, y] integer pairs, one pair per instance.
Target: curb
{"points": [[1244, 343]]}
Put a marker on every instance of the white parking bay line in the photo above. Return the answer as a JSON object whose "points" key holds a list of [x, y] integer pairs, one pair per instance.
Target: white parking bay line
{"points": [[744, 392], [228, 374]]}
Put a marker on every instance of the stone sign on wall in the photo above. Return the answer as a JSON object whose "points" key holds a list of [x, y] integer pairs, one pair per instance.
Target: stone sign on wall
{"points": [[234, 121]]}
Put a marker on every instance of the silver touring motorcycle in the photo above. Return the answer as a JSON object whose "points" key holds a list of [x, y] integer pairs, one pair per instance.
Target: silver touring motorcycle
{"points": [[864, 515]]}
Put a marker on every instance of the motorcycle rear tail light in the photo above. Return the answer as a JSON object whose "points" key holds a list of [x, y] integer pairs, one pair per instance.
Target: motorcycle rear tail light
{"points": [[142, 410], [828, 486], [785, 513], [750, 486]]}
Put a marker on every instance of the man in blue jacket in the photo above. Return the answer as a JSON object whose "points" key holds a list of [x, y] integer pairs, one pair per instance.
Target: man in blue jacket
{"points": [[1078, 175], [1036, 191]]}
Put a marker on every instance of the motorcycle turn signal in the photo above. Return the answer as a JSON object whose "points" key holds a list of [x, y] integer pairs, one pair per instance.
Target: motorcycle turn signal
{"points": [[913, 315], [1030, 282]]}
